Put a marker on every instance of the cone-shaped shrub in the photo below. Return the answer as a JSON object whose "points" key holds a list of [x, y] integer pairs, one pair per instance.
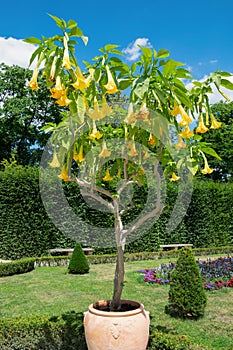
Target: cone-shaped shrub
{"points": [[78, 262], [187, 296]]}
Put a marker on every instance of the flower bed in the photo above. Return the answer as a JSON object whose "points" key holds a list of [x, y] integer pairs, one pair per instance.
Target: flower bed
{"points": [[216, 273]]}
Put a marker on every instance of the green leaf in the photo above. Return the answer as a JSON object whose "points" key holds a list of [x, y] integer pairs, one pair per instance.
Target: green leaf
{"points": [[227, 84], [35, 54], [109, 47], [124, 84], [32, 40], [142, 86], [71, 24], [75, 32], [146, 51], [162, 53], [210, 151], [59, 22], [170, 66]]}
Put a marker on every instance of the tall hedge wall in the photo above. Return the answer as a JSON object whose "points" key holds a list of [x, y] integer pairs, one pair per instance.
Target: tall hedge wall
{"points": [[26, 230]]}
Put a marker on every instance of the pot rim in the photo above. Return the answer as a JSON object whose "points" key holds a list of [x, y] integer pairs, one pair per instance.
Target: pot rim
{"points": [[139, 309]]}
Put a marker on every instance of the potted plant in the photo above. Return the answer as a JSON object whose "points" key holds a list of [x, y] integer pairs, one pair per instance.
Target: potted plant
{"points": [[108, 149]]}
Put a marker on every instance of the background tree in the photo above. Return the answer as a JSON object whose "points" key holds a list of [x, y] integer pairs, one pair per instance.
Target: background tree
{"points": [[22, 113], [222, 141]]}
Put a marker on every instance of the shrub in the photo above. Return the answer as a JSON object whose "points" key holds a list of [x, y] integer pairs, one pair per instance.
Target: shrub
{"points": [[187, 296], [17, 267], [78, 262]]}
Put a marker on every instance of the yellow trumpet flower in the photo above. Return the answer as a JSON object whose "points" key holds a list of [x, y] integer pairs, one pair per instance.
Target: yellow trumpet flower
{"points": [[33, 82], [214, 123], [207, 169], [55, 162], [132, 150], [66, 59], [186, 119], [146, 155], [95, 133], [63, 100], [81, 82], [110, 86], [175, 111], [107, 176], [78, 157], [130, 118], [143, 113], [201, 128], [174, 177], [99, 113], [186, 133], [152, 140], [105, 152], [58, 90], [180, 144], [64, 173]]}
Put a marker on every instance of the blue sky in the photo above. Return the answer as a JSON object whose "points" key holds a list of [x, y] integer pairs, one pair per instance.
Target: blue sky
{"points": [[198, 33]]}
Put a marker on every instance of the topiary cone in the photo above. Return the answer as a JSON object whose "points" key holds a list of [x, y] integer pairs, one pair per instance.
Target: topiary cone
{"points": [[187, 297], [78, 262]]}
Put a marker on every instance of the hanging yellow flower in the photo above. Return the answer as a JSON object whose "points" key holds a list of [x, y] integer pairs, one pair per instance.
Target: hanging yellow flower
{"points": [[105, 152], [107, 176], [131, 117], [214, 123], [186, 119], [186, 133], [146, 155], [95, 133], [207, 169], [81, 82], [58, 90], [175, 111], [99, 113], [64, 173], [132, 150], [143, 113], [110, 86], [63, 100], [66, 59], [55, 162], [33, 82], [180, 144], [152, 140], [201, 128], [78, 157], [174, 177]]}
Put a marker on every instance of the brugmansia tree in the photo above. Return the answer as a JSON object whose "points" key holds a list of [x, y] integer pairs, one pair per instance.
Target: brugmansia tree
{"points": [[187, 297], [106, 149]]}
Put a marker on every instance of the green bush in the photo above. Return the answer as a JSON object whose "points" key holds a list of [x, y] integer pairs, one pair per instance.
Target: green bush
{"points": [[187, 297], [165, 341], [17, 267], [66, 332], [43, 333], [78, 262]]}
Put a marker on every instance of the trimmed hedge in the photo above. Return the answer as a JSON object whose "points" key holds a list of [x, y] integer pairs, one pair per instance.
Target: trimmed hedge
{"points": [[66, 332], [17, 267], [27, 231]]}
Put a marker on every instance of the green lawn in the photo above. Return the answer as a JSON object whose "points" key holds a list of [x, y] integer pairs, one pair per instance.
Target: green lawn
{"points": [[52, 291]]}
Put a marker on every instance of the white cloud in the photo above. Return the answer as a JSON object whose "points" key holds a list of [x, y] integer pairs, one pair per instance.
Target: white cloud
{"points": [[132, 51], [213, 61], [15, 51]]}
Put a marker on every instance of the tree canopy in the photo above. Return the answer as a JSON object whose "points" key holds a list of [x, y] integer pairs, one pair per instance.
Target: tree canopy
{"points": [[22, 113]]}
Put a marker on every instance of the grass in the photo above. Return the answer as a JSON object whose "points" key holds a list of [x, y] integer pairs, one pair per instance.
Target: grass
{"points": [[52, 291]]}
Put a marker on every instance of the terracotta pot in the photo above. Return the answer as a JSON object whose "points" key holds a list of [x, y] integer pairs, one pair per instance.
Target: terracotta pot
{"points": [[120, 330]]}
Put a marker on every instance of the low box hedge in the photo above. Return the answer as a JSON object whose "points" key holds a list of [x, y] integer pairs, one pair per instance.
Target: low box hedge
{"points": [[17, 266], [66, 332]]}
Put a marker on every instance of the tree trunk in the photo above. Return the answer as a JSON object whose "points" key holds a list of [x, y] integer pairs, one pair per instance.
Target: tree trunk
{"points": [[120, 268]]}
